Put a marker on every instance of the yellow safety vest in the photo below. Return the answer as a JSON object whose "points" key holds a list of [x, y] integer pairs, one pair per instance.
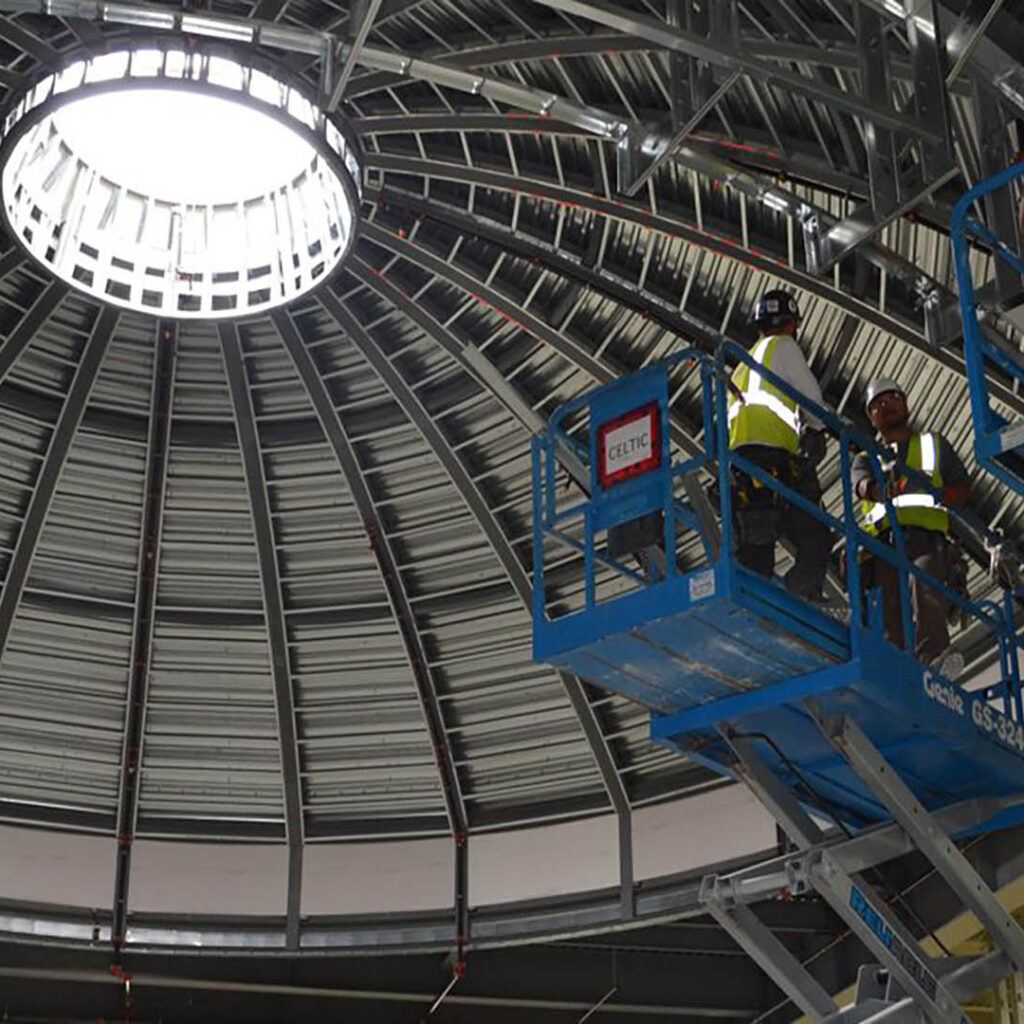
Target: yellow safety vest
{"points": [[914, 509], [764, 415]]}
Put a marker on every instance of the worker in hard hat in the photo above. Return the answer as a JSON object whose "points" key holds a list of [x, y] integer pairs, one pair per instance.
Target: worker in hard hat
{"points": [[922, 510], [770, 429]]}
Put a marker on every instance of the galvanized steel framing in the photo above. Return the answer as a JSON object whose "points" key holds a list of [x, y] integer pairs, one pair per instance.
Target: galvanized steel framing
{"points": [[165, 343], [380, 545], [273, 604], [49, 473]]}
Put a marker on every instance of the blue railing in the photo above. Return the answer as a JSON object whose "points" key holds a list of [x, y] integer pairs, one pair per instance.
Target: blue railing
{"points": [[993, 436], [655, 492]]}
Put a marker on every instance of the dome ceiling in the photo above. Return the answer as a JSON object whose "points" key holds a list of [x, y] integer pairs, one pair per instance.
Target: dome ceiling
{"points": [[292, 553]]}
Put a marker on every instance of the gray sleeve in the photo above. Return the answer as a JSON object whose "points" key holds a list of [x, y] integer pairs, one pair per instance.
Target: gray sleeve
{"points": [[860, 470], [789, 363], [950, 467]]}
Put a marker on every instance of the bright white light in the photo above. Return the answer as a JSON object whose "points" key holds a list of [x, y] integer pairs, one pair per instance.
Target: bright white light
{"points": [[182, 146], [179, 182]]}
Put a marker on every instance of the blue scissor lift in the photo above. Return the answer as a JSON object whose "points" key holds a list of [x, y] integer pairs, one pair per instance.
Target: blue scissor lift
{"points": [[825, 721]]}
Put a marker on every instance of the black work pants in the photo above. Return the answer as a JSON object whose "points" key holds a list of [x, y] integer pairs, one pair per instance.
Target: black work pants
{"points": [[762, 517], [928, 550]]}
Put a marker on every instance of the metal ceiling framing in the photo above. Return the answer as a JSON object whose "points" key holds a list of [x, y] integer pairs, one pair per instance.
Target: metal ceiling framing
{"points": [[464, 108], [599, 370], [51, 468], [575, 690], [387, 564], [731, 54], [605, 125], [712, 241], [628, 134], [517, 576], [165, 343], [273, 604], [35, 316]]}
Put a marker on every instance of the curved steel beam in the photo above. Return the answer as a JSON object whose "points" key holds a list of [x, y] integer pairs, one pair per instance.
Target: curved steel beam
{"points": [[53, 465], [837, 55], [600, 280], [273, 608], [398, 599], [35, 316], [508, 395], [601, 370], [512, 51], [754, 153], [636, 214], [165, 346], [436, 441], [606, 125], [463, 483]]}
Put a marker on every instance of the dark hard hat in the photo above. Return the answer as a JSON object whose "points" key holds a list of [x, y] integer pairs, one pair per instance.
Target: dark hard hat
{"points": [[776, 307]]}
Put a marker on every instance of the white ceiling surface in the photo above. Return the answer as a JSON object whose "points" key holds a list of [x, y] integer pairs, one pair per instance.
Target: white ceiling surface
{"points": [[69, 870]]}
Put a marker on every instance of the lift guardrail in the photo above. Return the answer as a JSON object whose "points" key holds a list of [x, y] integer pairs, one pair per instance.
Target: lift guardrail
{"points": [[654, 491], [995, 437]]}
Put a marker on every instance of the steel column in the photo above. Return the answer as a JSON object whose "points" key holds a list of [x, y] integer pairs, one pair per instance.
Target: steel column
{"points": [[999, 212], [405, 618], [143, 621], [931, 102], [273, 608], [891, 195], [872, 52], [53, 464]]}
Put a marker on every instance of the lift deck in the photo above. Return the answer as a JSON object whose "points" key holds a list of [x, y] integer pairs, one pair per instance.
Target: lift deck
{"points": [[810, 707]]}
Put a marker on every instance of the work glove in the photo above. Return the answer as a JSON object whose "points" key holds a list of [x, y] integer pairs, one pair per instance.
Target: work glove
{"points": [[1003, 565], [894, 487], [812, 445]]}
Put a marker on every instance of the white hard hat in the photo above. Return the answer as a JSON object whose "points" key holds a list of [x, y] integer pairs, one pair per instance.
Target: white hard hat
{"points": [[879, 386]]}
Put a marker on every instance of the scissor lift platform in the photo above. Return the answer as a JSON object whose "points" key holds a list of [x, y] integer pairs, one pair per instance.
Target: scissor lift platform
{"points": [[692, 639], [817, 715], [712, 663]]}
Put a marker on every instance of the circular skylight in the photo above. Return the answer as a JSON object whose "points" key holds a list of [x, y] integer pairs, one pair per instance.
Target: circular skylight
{"points": [[182, 183]]}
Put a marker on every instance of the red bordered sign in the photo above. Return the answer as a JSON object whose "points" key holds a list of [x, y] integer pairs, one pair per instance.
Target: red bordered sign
{"points": [[629, 445]]}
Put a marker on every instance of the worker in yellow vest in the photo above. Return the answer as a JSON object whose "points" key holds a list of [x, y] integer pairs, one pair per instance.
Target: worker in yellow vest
{"points": [[770, 429], [923, 514]]}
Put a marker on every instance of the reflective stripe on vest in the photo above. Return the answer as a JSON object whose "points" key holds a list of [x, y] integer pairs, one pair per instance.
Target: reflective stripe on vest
{"points": [[764, 415], [914, 509]]}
